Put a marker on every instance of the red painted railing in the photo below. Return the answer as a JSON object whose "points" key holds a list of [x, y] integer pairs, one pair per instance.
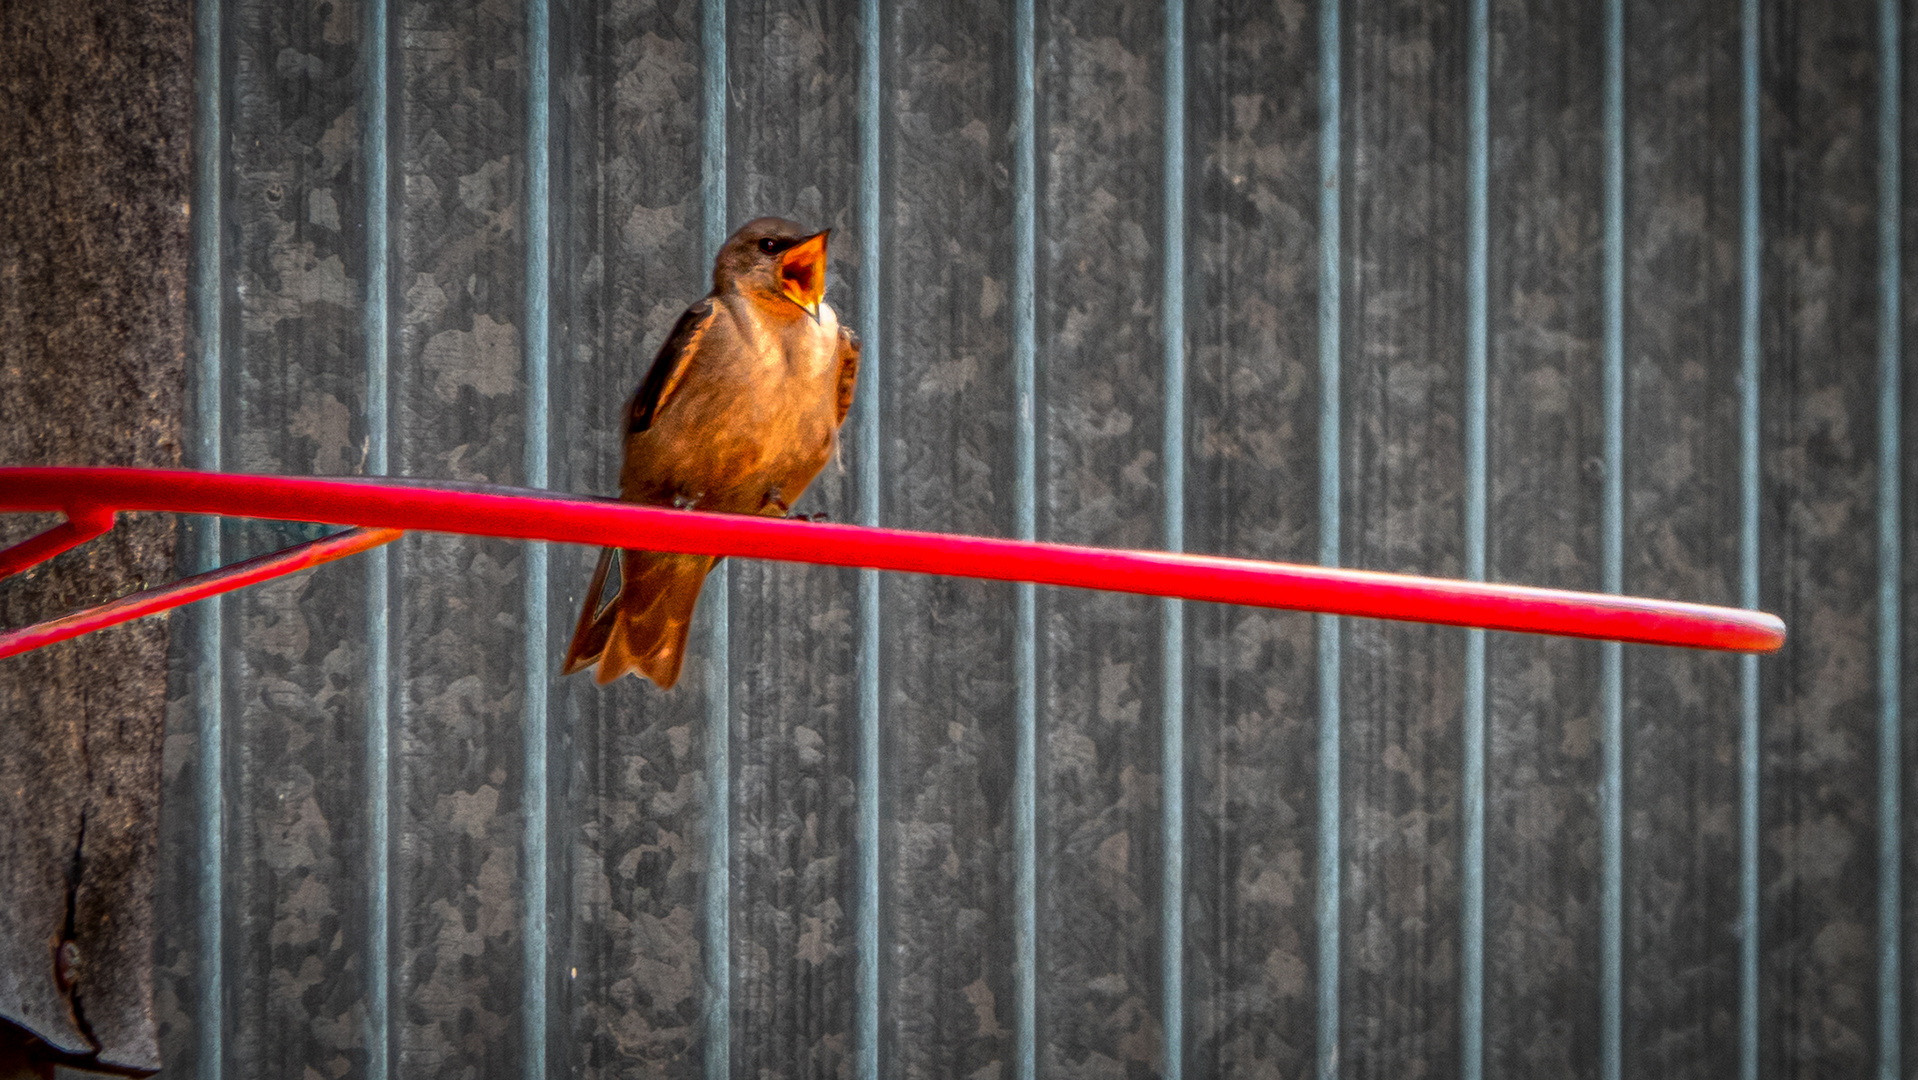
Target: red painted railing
{"points": [[383, 508]]}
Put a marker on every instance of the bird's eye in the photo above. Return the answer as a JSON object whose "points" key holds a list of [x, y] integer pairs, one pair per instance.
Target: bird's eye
{"points": [[769, 245]]}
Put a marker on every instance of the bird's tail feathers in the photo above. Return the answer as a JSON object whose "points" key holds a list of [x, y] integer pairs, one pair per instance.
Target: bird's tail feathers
{"points": [[595, 622], [644, 629]]}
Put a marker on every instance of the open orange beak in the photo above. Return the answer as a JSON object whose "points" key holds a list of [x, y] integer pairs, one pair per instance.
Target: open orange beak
{"points": [[802, 272]]}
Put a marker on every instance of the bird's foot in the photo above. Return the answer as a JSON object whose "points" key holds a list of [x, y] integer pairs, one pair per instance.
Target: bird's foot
{"points": [[818, 518], [683, 501]]}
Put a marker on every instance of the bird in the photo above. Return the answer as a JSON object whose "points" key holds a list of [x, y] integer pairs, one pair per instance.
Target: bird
{"points": [[739, 412]]}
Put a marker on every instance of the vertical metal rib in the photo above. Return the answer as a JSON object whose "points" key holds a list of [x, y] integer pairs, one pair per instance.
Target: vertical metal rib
{"points": [[1472, 725], [209, 644], [1172, 623], [1327, 1064], [1025, 497], [379, 645], [1611, 788], [866, 1023], [717, 599], [1890, 547], [1750, 257], [538, 408]]}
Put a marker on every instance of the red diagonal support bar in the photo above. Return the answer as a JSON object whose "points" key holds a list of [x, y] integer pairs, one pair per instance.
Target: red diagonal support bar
{"points": [[83, 523], [537, 515], [198, 587]]}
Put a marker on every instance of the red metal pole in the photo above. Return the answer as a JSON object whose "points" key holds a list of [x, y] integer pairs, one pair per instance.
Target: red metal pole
{"points": [[536, 515], [198, 587], [83, 523]]}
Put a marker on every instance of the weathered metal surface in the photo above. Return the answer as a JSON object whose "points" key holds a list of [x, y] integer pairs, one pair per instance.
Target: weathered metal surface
{"points": [[1403, 504], [294, 702], [627, 840], [1681, 494], [458, 394], [1545, 434], [627, 825], [1253, 431], [1818, 858], [792, 134], [1908, 615], [947, 416], [94, 106], [1101, 470]]}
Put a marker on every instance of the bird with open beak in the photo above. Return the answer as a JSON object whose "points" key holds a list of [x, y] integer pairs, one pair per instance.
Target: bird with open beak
{"points": [[740, 411]]}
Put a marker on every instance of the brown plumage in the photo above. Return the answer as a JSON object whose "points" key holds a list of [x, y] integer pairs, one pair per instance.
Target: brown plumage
{"points": [[740, 411]]}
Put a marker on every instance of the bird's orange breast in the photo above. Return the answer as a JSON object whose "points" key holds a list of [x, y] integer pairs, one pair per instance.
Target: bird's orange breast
{"points": [[752, 420]]}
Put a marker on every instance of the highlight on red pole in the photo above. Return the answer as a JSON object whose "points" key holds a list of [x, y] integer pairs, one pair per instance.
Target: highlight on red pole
{"points": [[481, 510]]}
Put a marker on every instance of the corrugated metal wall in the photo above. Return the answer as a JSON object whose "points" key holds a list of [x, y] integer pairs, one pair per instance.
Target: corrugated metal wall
{"points": [[1582, 295]]}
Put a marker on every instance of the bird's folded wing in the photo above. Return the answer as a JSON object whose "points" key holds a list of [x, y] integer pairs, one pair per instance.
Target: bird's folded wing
{"points": [[669, 367], [848, 372]]}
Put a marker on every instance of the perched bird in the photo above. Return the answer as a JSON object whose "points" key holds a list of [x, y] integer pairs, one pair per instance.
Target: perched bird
{"points": [[740, 411]]}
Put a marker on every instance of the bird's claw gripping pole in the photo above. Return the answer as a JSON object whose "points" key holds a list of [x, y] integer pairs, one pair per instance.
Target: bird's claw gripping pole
{"points": [[380, 510]]}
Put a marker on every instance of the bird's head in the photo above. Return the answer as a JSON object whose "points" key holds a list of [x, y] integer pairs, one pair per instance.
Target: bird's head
{"points": [[777, 259]]}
